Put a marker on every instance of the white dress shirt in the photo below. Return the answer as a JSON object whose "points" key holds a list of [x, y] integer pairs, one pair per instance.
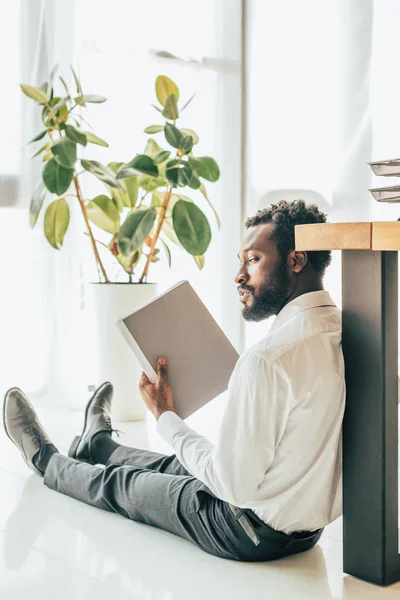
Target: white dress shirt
{"points": [[280, 446]]}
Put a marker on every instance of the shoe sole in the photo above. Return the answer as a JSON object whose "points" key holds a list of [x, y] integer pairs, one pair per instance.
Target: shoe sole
{"points": [[77, 439]]}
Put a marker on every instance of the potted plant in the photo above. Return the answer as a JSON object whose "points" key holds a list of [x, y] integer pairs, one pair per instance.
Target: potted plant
{"points": [[143, 208]]}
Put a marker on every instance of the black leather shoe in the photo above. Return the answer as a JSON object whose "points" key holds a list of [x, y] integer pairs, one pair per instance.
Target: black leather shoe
{"points": [[23, 426], [97, 418]]}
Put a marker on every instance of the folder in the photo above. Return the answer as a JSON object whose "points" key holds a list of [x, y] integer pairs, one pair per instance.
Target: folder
{"points": [[178, 325]]}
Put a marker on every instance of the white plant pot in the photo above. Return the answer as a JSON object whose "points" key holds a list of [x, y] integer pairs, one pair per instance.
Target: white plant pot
{"points": [[114, 360]]}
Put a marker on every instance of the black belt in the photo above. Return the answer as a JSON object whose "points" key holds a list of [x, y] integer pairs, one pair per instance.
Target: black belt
{"points": [[244, 522]]}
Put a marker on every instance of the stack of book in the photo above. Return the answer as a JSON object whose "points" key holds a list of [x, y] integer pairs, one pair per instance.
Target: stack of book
{"points": [[386, 168]]}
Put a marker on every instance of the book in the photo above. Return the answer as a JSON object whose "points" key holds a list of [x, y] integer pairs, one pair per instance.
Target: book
{"points": [[178, 325]]}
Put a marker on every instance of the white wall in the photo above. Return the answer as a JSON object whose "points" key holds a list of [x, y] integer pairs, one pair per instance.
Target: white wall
{"points": [[309, 113]]}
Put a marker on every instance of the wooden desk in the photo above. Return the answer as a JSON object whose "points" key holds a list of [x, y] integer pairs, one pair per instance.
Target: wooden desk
{"points": [[370, 425]]}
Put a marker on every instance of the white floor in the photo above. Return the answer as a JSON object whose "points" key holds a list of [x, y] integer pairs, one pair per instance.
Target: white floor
{"points": [[54, 547]]}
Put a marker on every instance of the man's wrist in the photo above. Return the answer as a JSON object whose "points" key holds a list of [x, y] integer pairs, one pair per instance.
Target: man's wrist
{"points": [[158, 412]]}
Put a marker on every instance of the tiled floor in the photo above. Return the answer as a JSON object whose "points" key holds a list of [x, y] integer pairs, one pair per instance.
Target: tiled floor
{"points": [[53, 547]]}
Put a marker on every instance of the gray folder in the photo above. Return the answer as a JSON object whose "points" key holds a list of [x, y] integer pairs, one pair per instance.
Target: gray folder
{"points": [[178, 325]]}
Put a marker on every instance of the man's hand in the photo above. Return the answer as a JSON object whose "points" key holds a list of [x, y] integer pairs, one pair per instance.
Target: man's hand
{"points": [[157, 396]]}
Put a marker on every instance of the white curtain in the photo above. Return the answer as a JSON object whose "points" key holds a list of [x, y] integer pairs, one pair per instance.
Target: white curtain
{"points": [[40, 311]]}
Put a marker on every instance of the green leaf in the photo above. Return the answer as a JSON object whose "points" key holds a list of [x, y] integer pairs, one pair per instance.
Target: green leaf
{"points": [[38, 137], [60, 103], [152, 148], [92, 98], [141, 164], [65, 85], [45, 87], [171, 108], [41, 149], [64, 152], [77, 82], [103, 173], [205, 167], [187, 104], [49, 114], [187, 144], [126, 172], [128, 263], [127, 197], [135, 229], [173, 135], [47, 154], [186, 198], [75, 135], [103, 212], [167, 226], [164, 88], [37, 200], [132, 188], [195, 182], [56, 221], [178, 173], [35, 93], [157, 108], [199, 260], [53, 73], [191, 227], [161, 157], [119, 196], [94, 139], [156, 199], [167, 251], [151, 183], [154, 129], [168, 230], [57, 179], [115, 166], [204, 192], [193, 135]]}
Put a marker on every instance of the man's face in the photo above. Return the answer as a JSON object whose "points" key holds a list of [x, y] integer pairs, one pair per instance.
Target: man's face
{"points": [[263, 274]]}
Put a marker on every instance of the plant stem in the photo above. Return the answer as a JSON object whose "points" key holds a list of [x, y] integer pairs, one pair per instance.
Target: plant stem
{"points": [[72, 108], [85, 216], [163, 210]]}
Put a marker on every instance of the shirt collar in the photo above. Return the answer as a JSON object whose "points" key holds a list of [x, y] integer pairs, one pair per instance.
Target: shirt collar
{"points": [[303, 302]]}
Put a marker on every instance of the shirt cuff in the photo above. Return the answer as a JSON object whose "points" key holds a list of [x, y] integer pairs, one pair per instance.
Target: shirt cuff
{"points": [[169, 424]]}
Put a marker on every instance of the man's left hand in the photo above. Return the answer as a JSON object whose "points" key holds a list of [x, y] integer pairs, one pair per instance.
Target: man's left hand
{"points": [[157, 396]]}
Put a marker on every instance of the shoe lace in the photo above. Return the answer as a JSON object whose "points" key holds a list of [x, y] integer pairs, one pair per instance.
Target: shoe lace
{"points": [[110, 428]]}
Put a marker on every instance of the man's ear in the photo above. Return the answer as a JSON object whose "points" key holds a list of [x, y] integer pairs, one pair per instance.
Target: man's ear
{"points": [[297, 260]]}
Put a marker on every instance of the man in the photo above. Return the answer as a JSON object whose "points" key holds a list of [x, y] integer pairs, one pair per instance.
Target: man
{"points": [[274, 480]]}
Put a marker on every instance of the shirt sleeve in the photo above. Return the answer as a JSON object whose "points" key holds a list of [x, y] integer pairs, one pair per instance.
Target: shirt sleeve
{"points": [[253, 423]]}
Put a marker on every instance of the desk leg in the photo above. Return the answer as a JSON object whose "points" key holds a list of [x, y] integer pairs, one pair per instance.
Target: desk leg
{"points": [[370, 426]]}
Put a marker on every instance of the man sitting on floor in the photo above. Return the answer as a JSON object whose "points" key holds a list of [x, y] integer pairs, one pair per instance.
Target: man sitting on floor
{"points": [[273, 481]]}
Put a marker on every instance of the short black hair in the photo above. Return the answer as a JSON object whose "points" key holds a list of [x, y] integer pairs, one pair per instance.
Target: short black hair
{"points": [[285, 215]]}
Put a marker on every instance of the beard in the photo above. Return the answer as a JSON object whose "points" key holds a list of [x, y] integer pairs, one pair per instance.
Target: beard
{"points": [[272, 296]]}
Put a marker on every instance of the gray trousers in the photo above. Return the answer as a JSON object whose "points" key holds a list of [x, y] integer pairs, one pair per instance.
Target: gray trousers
{"points": [[157, 490]]}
